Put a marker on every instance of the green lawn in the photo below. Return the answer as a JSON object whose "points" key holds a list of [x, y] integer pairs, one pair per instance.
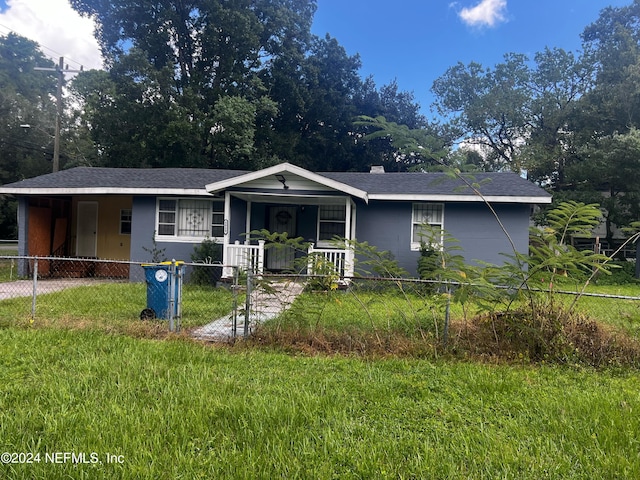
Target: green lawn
{"points": [[113, 306], [175, 409], [8, 266], [87, 378]]}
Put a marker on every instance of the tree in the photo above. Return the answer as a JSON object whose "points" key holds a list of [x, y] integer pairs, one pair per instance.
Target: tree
{"points": [[416, 149], [26, 98], [170, 64], [558, 83], [323, 131], [607, 117], [614, 103], [228, 84], [608, 173], [489, 106]]}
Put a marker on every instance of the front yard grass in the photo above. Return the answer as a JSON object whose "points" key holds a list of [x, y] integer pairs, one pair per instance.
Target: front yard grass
{"points": [[179, 409], [114, 306], [88, 377]]}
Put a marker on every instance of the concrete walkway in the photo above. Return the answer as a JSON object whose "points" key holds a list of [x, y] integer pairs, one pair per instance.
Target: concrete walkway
{"points": [[24, 288], [265, 305]]}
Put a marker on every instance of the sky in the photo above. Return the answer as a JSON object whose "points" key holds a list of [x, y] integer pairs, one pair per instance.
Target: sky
{"points": [[410, 41]]}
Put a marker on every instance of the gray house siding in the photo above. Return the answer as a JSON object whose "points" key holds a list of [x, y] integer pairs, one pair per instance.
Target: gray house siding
{"points": [[143, 224], [387, 225], [23, 234], [380, 218], [479, 233]]}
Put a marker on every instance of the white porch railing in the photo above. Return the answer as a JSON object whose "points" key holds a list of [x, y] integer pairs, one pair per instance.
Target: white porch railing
{"points": [[251, 258], [245, 257], [340, 259]]}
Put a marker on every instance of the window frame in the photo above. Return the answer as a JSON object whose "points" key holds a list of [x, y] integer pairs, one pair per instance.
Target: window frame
{"points": [[328, 242], [213, 214], [124, 220], [415, 246]]}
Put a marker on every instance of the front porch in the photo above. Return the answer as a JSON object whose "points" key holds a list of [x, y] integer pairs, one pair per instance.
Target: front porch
{"points": [[318, 261], [296, 204]]}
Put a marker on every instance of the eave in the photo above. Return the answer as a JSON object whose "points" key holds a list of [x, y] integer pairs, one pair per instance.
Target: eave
{"points": [[459, 198]]}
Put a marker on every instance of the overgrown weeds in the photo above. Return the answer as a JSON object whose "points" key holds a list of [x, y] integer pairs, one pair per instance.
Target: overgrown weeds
{"points": [[372, 326], [568, 338], [507, 312]]}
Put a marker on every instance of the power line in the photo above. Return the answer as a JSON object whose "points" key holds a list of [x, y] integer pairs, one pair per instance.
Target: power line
{"points": [[60, 70], [54, 55]]}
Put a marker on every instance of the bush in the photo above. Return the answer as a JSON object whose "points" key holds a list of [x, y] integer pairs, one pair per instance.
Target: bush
{"points": [[623, 275], [208, 252]]}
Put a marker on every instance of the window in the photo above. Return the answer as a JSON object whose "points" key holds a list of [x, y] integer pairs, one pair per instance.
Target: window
{"points": [[190, 218], [125, 222], [426, 214], [331, 223]]}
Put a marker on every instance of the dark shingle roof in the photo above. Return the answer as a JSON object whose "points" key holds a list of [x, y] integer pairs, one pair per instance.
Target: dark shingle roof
{"points": [[502, 184], [128, 178], [194, 180]]}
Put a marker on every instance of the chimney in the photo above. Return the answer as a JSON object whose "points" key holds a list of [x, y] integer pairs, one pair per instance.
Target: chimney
{"points": [[377, 169]]}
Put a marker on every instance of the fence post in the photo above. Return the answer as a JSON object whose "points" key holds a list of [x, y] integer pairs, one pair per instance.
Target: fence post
{"points": [[172, 294], [178, 287], [248, 306], [447, 315], [35, 288], [234, 312]]}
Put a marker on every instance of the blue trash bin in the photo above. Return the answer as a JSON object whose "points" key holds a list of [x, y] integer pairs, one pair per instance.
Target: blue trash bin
{"points": [[164, 290]]}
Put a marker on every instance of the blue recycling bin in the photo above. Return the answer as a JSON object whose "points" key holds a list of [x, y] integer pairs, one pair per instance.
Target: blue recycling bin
{"points": [[164, 290]]}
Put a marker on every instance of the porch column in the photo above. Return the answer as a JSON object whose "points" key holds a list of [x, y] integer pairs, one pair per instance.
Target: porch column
{"points": [[349, 234], [227, 229], [347, 219], [247, 224]]}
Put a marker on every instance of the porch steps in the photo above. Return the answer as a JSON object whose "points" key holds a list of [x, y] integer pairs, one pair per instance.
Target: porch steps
{"points": [[266, 303]]}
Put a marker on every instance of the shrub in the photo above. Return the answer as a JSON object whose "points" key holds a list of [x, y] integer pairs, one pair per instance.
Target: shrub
{"points": [[208, 252], [624, 275]]}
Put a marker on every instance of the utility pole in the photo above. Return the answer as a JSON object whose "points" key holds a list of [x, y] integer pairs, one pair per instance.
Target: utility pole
{"points": [[56, 139]]}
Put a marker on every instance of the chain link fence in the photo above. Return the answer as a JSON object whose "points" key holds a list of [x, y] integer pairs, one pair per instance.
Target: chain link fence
{"points": [[192, 298], [178, 296]]}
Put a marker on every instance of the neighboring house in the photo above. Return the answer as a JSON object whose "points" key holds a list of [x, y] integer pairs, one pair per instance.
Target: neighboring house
{"points": [[121, 214]]}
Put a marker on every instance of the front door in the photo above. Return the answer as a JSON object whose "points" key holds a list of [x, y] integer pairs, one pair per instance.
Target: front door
{"points": [[281, 220], [87, 231]]}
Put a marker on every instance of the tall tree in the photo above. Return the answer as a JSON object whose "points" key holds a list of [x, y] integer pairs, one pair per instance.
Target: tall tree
{"points": [[614, 39], [27, 113], [323, 121], [606, 122], [228, 83], [172, 62], [558, 82], [608, 174], [490, 106]]}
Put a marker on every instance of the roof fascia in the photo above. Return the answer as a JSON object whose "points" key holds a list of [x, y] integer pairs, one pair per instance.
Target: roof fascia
{"points": [[104, 191], [459, 198]]}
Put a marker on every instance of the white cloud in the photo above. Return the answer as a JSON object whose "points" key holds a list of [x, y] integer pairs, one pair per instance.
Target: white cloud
{"points": [[55, 26], [487, 13]]}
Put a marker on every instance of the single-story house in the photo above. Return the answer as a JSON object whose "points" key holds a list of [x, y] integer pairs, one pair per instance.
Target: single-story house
{"points": [[123, 213]]}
